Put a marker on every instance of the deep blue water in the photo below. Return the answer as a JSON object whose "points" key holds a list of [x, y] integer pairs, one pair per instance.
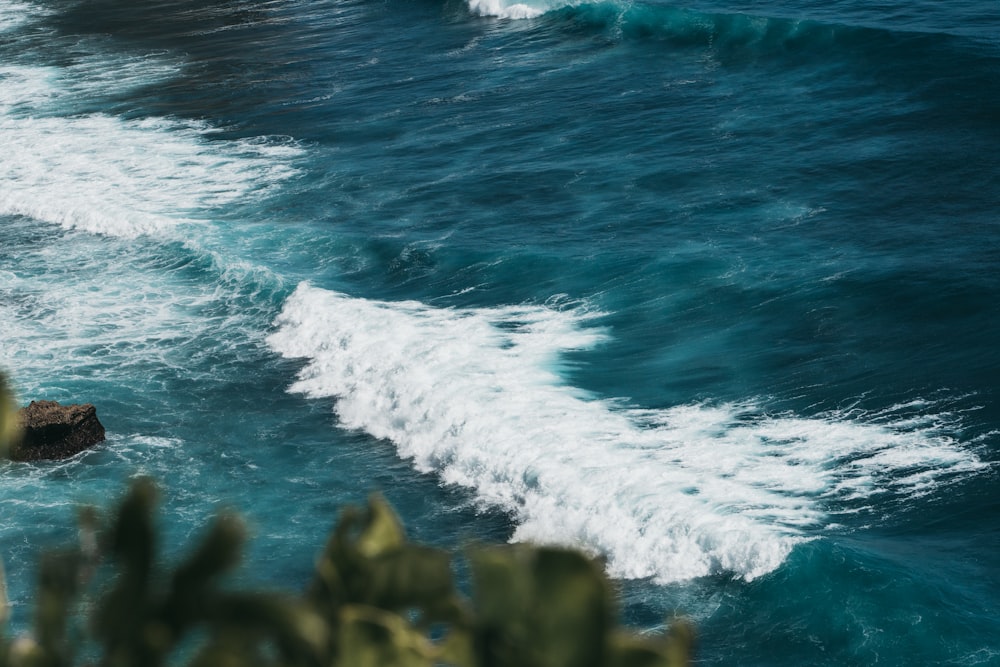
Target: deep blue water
{"points": [[709, 289]]}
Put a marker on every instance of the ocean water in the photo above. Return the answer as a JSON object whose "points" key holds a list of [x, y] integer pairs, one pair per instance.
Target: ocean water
{"points": [[708, 289]]}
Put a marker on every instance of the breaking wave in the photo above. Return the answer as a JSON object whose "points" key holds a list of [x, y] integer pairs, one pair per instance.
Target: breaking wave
{"points": [[475, 396]]}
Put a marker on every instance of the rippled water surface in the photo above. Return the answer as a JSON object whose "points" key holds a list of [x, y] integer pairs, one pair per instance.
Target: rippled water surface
{"points": [[708, 289]]}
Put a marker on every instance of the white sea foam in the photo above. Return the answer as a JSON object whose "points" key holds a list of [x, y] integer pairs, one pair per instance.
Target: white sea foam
{"points": [[13, 14], [474, 395], [514, 10], [106, 175]]}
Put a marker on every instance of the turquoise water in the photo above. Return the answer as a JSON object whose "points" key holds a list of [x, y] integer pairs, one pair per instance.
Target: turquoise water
{"points": [[707, 289]]}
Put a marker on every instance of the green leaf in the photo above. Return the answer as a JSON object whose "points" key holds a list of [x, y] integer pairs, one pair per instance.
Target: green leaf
{"points": [[369, 561], [382, 532], [299, 634], [372, 637], [413, 577], [133, 536], [193, 582], [124, 620], [9, 426], [457, 648], [57, 587], [540, 607], [573, 613]]}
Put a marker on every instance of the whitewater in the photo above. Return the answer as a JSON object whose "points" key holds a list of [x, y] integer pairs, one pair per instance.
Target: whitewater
{"points": [[670, 494]]}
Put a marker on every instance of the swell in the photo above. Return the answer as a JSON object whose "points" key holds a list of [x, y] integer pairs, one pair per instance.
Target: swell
{"points": [[951, 78], [742, 36]]}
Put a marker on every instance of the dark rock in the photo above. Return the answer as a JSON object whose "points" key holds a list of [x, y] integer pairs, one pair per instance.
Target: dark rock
{"points": [[53, 431]]}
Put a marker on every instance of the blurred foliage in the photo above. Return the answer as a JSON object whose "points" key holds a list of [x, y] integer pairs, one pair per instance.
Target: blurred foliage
{"points": [[376, 600], [9, 427]]}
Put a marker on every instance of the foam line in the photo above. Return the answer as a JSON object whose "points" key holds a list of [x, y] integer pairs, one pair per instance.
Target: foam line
{"points": [[475, 397], [116, 177]]}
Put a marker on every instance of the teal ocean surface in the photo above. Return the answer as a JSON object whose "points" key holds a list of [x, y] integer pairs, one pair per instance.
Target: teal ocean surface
{"points": [[709, 289]]}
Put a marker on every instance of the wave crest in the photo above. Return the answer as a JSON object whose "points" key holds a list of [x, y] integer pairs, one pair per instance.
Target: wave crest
{"points": [[474, 396]]}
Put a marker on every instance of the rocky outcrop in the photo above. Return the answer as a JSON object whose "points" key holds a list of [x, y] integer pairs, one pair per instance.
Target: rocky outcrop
{"points": [[53, 431]]}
